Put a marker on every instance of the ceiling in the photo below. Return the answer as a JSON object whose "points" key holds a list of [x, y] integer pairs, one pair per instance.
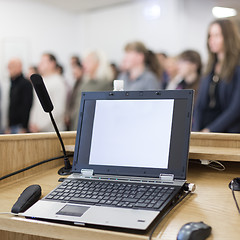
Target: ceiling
{"points": [[79, 6]]}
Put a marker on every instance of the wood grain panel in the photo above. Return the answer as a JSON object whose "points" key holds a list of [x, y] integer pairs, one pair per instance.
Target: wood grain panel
{"points": [[21, 150], [212, 203]]}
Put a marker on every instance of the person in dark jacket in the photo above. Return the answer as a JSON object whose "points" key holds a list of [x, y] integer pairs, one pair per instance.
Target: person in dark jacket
{"points": [[21, 97], [218, 103]]}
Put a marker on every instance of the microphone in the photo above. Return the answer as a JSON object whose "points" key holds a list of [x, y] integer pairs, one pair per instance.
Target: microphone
{"points": [[47, 106]]}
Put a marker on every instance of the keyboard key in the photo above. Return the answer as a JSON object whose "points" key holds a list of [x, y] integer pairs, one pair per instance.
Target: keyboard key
{"points": [[85, 200], [150, 205], [132, 200], [140, 205], [164, 197], [158, 204]]}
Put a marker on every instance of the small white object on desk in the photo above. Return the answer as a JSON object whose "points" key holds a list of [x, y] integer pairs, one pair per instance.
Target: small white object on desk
{"points": [[118, 85]]}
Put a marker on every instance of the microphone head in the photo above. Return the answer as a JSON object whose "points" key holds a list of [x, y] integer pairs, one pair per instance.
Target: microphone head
{"points": [[41, 92]]}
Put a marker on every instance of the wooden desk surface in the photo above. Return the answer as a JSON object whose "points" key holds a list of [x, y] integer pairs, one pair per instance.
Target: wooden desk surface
{"points": [[212, 203]]}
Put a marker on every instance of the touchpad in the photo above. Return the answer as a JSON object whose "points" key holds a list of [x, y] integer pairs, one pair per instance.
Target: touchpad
{"points": [[72, 210]]}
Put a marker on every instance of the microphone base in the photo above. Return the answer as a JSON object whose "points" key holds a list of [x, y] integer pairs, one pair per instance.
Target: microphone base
{"points": [[64, 171]]}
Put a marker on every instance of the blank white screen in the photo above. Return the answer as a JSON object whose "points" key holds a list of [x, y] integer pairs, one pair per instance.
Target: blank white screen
{"points": [[132, 133]]}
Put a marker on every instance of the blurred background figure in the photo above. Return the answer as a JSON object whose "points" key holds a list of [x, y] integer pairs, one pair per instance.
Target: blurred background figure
{"points": [[59, 69], [218, 102], [115, 70], [98, 75], [189, 69], [74, 99], [75, 60], [39, 121], [162, 57], [142, 70], [32, 70], [171, 68], [20, 99], [95, 74]]}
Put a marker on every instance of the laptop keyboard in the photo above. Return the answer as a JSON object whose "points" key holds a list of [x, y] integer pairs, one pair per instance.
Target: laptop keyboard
{"points": [[114, 194]]}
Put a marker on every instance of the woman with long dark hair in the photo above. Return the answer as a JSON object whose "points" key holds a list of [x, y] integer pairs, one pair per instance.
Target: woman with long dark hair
{"points": [[218, 103], [141, 68]]}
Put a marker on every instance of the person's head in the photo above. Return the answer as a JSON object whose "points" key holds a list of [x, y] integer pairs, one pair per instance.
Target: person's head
{"points": [[136, 54], [162, 58], [14, 67], [59, 69], [189, 62], [32, 70], [171, 67], [47, 65], [96, 66], [75, 60], [223, 38], [114, 69], [77, 70]]}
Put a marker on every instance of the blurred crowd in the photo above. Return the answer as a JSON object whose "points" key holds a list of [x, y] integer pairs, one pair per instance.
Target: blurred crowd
{"points": [[216, 83]]}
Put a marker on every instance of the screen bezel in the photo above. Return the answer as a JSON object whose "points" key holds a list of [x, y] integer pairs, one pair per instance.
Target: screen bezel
{"points": [[178, 166]]}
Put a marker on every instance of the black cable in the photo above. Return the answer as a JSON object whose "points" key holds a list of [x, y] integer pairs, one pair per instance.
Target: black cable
{"points": [[165, 214], [235, 200], [31, 166]]}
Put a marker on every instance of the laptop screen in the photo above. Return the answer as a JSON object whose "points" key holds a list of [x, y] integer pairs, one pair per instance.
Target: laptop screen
{"points": [[134, 134], [136, 130]]}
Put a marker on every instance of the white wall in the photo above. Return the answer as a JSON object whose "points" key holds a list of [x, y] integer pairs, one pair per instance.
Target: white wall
{"points": [[182, 24], [27, 29]]}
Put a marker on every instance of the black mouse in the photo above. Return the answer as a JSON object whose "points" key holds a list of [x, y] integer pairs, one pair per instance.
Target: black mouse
{"points": [[27, 198], [235, 184], [194, 231]]}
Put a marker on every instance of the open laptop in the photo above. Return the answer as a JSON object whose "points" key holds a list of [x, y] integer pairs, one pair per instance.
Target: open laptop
{"points": [[130, 160]]}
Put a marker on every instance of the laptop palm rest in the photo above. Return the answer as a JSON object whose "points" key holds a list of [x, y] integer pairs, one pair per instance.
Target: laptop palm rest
{"points": [[82, 214]]}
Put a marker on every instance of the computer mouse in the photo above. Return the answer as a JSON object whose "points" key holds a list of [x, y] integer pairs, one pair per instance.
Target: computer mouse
{"points": [[27, 198], [235, 184], [194, 231]]}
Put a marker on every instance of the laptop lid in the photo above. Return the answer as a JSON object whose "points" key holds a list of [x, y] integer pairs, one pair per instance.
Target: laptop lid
{"points": [[134, 133]]}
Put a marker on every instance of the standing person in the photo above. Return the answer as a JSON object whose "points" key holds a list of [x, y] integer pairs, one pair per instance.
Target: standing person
{"points": [[189, 69], [97, 76], [74, 60], [97, 72], [31, 70], [218, 102], [73, 103], [162, 58], [21, 97], [39, 121], [171, 68], [142, 70]]}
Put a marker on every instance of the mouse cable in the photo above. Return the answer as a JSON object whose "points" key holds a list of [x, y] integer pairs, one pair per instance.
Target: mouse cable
{"points": [[166, 213], [235, 200], [32, 166]]}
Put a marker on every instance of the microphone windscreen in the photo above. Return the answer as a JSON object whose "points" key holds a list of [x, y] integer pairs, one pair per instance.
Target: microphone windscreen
{"points": [[42, 92]]}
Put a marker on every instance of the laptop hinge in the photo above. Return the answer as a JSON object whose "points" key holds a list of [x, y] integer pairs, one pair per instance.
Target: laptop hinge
{"points": [[87, 172], [166, 177]]}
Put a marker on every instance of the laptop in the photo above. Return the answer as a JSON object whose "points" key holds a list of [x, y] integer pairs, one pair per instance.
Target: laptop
{"points": [[130, 160]]}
